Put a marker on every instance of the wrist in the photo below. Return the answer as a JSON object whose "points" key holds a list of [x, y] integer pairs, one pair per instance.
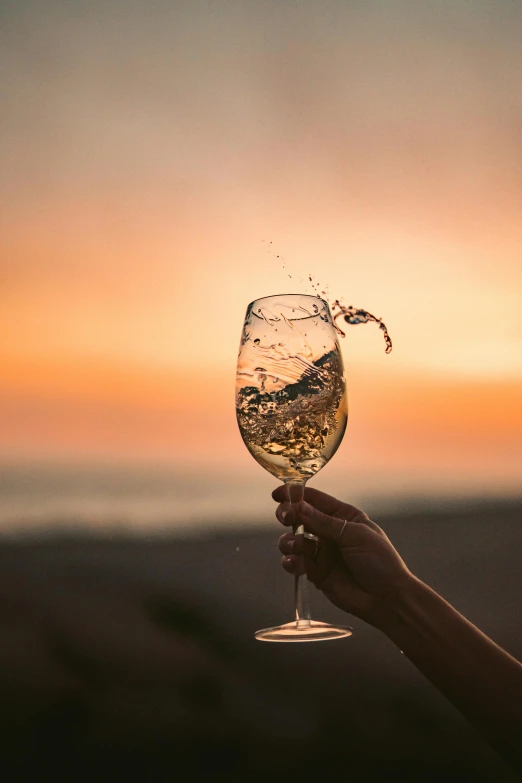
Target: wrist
{"points": [[397, 607]]}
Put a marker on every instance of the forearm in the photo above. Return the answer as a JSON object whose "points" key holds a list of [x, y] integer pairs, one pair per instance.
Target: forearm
{"points": [[478, 677]]}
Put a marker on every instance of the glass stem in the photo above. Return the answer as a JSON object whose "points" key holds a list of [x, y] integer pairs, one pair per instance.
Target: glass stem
{"points": [[302, 601]]}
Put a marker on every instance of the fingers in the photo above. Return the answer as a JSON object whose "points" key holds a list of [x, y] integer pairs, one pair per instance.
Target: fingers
{"points": [[321, 524], [307, 556], [298, 545], [282, 513], [294, 564], [297, 565], [322, 502], [340, 532], [298, 552]]}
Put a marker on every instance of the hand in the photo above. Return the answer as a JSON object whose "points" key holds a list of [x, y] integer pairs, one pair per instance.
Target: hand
{"points": [[353, 562]]}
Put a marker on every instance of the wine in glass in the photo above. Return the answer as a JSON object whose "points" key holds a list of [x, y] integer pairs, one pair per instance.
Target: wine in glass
{"points": [[291, 407]]}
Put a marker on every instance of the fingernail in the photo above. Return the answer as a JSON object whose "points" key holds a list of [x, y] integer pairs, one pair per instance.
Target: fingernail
{"points": [[283, 515]]}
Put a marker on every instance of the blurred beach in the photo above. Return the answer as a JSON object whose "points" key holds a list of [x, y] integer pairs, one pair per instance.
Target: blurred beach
{"points": [[129, 596], [114, 499], [131, 658]]}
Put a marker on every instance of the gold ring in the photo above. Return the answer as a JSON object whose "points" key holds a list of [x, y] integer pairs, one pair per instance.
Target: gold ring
{"points": [[345, 522]]}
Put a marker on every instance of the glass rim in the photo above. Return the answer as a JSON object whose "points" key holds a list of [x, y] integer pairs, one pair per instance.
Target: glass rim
{"points": [[282, 296]]}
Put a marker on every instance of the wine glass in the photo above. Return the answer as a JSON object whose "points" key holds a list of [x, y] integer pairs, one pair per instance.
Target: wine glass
{"points": [[292, 410]]}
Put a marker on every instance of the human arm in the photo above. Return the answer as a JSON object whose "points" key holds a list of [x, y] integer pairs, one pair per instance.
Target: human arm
{"points": [[358, 569]]}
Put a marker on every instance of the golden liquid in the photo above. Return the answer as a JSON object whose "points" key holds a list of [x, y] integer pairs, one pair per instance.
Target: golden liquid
{"points": [[295, 431]]}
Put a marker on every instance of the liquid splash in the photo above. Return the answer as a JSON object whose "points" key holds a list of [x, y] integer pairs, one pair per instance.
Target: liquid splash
{"points": [[347, 313], [293, 431], [355, 315]]}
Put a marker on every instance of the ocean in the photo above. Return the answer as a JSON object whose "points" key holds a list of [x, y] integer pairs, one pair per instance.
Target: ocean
{"points": [[109, 499]]}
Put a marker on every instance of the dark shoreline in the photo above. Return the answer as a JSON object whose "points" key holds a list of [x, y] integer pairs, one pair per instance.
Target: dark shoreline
{"points": [[133, 658]]}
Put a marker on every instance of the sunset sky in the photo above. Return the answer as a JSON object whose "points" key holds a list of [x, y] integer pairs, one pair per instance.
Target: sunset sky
{"points": [[164, 163]]}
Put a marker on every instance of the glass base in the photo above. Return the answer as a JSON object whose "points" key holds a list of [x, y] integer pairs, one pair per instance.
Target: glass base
{"points": [[303, 631]]}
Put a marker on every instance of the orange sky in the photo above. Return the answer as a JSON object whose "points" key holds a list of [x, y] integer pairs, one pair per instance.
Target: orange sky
{"points": [[151, 154]]}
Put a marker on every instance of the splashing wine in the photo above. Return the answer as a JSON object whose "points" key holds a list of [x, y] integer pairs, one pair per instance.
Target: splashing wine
{"points": [[354, 315], [348, 313], [295, 429]]}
